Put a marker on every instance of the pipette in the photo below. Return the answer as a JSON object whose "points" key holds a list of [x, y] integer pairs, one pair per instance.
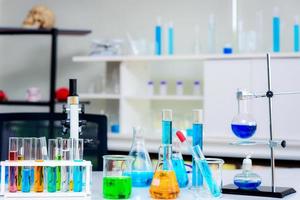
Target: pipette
{"points": [[202, 164]]}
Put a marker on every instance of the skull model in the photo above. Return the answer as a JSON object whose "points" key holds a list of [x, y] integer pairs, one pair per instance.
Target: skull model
{"points": [[39, 17]]}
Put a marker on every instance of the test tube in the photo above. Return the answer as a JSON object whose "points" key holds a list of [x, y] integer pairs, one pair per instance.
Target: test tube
{"points": [[27, 147], [33, 157], [58, 168], [78, 170], [166, 130], [41, 155], [65, 171], [20, 157], [13, 171], [51, 171]]}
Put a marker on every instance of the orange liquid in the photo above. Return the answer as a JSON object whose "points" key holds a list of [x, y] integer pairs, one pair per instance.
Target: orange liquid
{"points": [[38, 178], [164, 185]]}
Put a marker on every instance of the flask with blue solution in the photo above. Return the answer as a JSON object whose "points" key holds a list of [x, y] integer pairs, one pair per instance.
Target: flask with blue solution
{"points": [[276, 30], [197, 139], [142, 171], [247, 180], [178, 166], [243, 124]]}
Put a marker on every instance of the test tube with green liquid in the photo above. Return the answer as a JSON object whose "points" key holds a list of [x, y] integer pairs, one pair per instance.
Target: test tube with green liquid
{"points": [[51, 171], [58, 169]]}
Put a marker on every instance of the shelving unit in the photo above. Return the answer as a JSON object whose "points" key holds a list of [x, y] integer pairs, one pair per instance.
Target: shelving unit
{"points": [[54, 33], [220, 76]]}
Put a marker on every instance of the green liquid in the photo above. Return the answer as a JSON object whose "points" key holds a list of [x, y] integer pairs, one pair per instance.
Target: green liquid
{"points": [[58, 174], [118, 187], [51, 179]]}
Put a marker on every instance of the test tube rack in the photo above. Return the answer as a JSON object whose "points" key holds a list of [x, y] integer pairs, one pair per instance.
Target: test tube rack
{"points": [[46, 163]]}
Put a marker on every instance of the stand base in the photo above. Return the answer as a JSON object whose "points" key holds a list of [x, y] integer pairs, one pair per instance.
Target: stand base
{"points": [[263, 191]]}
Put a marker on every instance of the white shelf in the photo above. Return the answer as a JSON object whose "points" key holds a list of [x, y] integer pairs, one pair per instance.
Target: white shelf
{"points": [[98, 96], [166, 98], [200, 57]]}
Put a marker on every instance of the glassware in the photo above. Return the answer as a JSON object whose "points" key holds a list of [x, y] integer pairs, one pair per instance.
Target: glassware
{"points": [[276, 30], [243, 124], [142, 171], [66, 171], [41, 155], [196, 88], [247, 180], [117, 184], [197, 179], [179, 88], [58, 157], [13, 171], [26, 171], [296, 35], [167, 126], [163, 88], [33, 157], [150, 86], [77, 170], [20, 157], [211, 34], [216, 167], [51, 171], [179, 167], [164, 183]]}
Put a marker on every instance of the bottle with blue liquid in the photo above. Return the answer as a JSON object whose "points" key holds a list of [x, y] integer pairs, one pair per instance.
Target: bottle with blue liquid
{"points": [[276, 30], [142, 171], [247, 180], [243, 124]]}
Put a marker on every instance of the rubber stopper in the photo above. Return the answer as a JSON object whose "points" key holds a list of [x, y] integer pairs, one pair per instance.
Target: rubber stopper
{"points": [[180, 136]]}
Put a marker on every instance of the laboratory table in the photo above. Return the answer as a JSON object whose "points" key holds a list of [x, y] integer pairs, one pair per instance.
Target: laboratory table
{"points": [[284, 177]]}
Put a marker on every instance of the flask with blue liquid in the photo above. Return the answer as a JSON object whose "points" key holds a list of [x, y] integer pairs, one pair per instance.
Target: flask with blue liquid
{"points": [[243, 125], [247, 180], [142, 171]]}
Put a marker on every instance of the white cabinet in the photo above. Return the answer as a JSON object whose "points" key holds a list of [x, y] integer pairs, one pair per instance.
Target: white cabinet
{"points": [[220, 76]]}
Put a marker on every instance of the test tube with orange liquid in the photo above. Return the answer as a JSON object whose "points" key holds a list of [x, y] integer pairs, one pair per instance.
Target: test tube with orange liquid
{"points": [[41, 155]]}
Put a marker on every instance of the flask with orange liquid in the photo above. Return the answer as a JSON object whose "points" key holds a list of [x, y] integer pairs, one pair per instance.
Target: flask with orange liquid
{"points": [[164, 183]]}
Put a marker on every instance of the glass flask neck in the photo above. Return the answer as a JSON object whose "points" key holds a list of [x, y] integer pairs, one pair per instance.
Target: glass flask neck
{"points": [[165, 152], [138, 137], [243, 106]]}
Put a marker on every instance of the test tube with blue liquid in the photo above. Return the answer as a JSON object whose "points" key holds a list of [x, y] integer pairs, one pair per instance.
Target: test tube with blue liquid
{"points": [[51, 171], [166, 127], [178, 165], [170, 35], [158, 37], [296, 35], [78, 170], [197, 139], [26, 170], [276, 30], [243, 124]]}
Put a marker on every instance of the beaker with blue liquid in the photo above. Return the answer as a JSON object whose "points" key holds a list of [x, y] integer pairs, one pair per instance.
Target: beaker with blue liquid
{"points": [[142, 171], [243, 125]]}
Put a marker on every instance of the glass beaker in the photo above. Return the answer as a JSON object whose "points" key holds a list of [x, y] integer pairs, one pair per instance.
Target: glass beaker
{"points": [[13, 171], [26, 171], [243, 124], [164, 183], [51, 171], [117, 184], [142, 171], [179, 167]]}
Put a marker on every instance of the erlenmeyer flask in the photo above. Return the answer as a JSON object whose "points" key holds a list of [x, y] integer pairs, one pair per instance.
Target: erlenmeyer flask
{"points": [[243, 124], [142, 171], [179, 167], [164, 184]]}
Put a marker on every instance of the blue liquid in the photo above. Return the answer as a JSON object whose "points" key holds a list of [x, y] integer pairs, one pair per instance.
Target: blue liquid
{"points": [[296, 38], [26, 180], [276, 34], [158, 38], [243, 131], [197, 179], [181, 174], [170, 41], [207, 175], [77, 177], [32, 176], [6, 175], [51, 179], [140, 178], [166, 138], [247, 185]]}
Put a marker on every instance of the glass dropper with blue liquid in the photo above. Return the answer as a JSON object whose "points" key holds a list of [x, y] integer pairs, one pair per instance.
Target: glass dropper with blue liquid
{"points": [[243, 125]]}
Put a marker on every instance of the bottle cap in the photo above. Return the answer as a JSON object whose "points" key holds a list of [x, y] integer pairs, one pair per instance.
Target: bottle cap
{"points": [[247, 163], [181, 136], [198, 116]]}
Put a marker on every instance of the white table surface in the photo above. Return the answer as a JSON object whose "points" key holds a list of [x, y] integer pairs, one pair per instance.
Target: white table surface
{"points": [[284, 177]]}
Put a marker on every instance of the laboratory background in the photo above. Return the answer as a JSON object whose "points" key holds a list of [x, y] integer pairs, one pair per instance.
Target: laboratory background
{"points": [[160, 99]]}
